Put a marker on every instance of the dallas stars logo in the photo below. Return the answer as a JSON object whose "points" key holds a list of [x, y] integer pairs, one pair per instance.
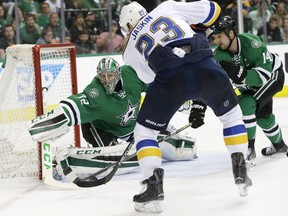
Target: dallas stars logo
{"points": [[129, 114]]}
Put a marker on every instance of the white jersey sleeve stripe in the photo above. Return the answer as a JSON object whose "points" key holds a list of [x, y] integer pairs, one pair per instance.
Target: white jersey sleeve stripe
{"points": [[73, 111]]}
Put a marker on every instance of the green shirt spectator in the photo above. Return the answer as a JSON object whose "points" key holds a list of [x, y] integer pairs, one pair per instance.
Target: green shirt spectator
{"points": [[31, 31], [43, 18], [30, 7]]}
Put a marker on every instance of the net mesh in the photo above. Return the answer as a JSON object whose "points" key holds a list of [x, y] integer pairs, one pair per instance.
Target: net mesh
{"points": [[19, 154]]}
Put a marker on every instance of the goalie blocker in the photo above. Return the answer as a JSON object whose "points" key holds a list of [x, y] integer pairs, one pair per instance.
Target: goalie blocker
{"points": [[49, 126]]}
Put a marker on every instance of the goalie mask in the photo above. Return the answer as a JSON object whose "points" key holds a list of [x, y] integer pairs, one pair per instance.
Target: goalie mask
{"points": [[131, 14], [109, 73]]}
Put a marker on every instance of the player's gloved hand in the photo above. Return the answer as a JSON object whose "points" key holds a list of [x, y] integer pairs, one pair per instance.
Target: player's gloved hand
{"points": [[209, 33], [200, 28], [235, 73], [197, 114]]}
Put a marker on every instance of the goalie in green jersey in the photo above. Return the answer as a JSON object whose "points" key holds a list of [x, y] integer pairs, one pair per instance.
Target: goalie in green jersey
{"points": [[106, 110], [259, 75]]}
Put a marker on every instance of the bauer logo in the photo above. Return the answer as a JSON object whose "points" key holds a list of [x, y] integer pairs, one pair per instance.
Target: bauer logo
{"points": [[26, 80]]}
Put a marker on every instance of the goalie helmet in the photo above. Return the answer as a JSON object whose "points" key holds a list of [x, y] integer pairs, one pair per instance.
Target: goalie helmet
{"points": [[225, 24], [131, 14], [109, 73]]}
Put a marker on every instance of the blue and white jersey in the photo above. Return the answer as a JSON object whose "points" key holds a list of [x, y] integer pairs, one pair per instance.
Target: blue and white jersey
{"points": [[168, 22]]}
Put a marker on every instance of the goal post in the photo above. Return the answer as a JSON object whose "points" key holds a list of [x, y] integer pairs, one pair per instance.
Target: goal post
{"points": [[35, 79]]}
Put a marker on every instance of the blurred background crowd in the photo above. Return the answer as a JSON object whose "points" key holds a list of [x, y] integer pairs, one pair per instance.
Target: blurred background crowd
{"points": [[92, 25]]}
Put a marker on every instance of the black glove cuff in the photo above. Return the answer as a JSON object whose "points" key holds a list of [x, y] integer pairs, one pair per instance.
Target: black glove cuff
{"points": [[199, 105]]}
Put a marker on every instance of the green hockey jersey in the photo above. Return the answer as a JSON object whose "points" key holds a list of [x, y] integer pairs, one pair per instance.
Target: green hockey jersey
{"points": [[115, 113], [254, 56]]}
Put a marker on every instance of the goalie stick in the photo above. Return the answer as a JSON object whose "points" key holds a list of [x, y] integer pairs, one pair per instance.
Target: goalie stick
{"points": [[90, 181]]}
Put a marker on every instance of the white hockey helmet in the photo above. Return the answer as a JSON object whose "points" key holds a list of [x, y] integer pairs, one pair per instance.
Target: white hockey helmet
{"points": [[131, 14], [109, 73]]}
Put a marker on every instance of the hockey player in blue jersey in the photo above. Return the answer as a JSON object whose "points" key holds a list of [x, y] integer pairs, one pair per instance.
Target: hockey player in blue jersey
{"points": [[178, 64]]}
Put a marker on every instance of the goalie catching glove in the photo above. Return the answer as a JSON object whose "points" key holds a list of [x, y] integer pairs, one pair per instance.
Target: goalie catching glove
{"points": [[236, 73], [197, 114]]}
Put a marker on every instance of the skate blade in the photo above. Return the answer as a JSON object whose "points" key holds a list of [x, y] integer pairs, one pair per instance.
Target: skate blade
{"points": [[243, 190], [149, 207], [250, 164]]}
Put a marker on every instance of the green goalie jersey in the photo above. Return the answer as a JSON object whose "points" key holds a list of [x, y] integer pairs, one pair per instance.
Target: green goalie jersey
{"points": [[254, 56], [115, 113]]}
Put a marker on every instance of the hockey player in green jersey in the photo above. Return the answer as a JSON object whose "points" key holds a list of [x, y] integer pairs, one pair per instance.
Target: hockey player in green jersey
{"points": [[259, 75], [106, 110]]}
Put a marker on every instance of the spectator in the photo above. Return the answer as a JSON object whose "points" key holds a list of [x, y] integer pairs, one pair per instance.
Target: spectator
{"points": [[103, 40], [256, 16], [284, 29], [30, 7], [94, 26], [47, 37], [255, 5], [31, 31], [77, 26], [273, 31], [280, 13], [83, 44], [44, 16], [8, 39], [20, 17], [9, 6], [3, 20], [54, 24], [6, 15], [55, 5]]}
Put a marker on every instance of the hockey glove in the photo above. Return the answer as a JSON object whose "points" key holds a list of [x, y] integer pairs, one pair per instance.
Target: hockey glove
{"points": [[236, 73], [200, 28], [210, 33], [197, 114]]}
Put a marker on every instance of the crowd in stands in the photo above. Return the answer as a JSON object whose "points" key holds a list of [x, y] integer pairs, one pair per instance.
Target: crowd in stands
{"points": [[273, 13], [39, 21], [86, 22]]}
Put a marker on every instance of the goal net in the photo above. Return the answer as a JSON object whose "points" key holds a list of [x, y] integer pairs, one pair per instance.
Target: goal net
{"points": [[35, 78]]}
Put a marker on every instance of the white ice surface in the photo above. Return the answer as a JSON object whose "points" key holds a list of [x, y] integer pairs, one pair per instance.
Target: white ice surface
{"points": [[203, 187]]}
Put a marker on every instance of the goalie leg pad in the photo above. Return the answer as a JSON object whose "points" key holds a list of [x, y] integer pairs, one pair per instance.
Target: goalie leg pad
{"points": [[178, 149], [86, 161], [49, 126], [182, 146]]}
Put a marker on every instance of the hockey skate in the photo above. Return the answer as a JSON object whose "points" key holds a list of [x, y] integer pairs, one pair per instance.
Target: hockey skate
{"points": [[274, 149], [240, 173], [149, 200], [251, 156]]}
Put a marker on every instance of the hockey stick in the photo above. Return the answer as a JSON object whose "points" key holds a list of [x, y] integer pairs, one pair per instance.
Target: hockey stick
{"points": [[92, 180]]}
